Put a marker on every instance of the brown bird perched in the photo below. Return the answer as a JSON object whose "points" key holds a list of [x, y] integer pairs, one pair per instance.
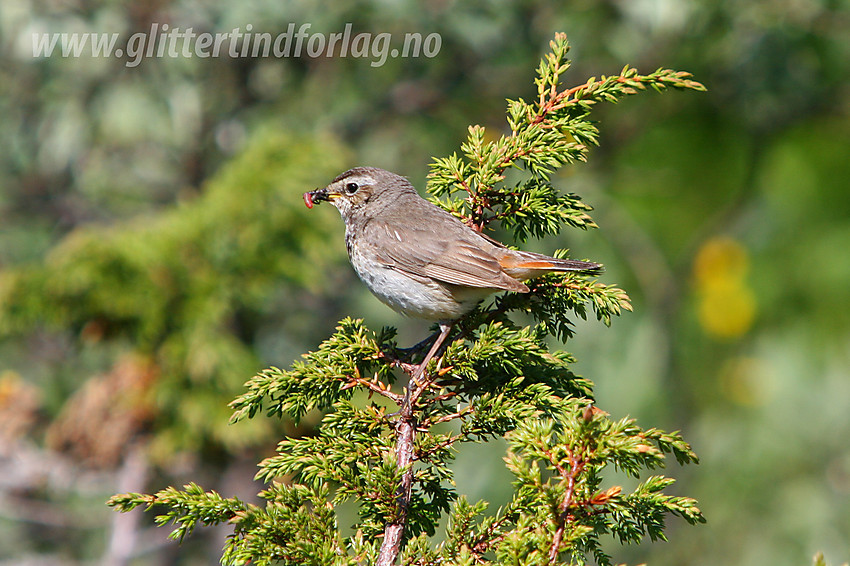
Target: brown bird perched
{"points": [[419, 259]]}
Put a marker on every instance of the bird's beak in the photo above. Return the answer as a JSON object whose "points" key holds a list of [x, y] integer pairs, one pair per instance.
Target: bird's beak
{"points": [[320, 195]]}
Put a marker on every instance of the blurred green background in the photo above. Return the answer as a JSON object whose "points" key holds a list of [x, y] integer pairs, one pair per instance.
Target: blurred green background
{"points": [[155, 252]]}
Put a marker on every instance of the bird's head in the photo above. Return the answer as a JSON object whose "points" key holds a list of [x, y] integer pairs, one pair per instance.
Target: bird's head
{"points": [[362, 191]]}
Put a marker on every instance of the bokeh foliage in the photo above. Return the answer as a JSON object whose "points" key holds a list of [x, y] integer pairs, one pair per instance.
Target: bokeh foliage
{"points": [[186, 287]]}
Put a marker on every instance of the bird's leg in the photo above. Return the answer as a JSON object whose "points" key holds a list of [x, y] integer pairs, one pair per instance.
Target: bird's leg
{"points": [[408, 353], [435, 347], [445, 328], [402, 357]]}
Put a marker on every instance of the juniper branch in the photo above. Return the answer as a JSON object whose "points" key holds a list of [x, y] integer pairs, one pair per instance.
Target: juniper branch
{"points": [[495, 378]]}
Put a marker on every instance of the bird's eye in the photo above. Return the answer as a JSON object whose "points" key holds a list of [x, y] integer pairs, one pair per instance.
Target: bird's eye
{"points": [[351, 188]]}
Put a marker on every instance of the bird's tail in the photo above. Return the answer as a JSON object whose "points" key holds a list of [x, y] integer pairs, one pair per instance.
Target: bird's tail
{"points": [[527, 265]]}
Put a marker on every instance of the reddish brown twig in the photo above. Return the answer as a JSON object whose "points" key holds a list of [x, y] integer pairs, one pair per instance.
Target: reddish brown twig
{"points": [[394, 531], [564, 517], [405, 433], [374, 386]]}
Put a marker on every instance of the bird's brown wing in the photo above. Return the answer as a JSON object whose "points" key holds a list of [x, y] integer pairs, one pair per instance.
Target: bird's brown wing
{"points": [[455, 255]]}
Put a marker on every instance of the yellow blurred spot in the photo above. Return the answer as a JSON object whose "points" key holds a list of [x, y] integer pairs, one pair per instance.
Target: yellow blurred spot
{"points": [[722, 258], [9, 382], [726, 305], [726, 309]]}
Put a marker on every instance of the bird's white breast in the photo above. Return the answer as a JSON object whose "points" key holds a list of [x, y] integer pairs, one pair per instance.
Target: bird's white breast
{"points": [[412, 295]]}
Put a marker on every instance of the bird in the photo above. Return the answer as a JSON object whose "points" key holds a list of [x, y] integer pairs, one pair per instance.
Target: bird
{"points": [[418, 258]]}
